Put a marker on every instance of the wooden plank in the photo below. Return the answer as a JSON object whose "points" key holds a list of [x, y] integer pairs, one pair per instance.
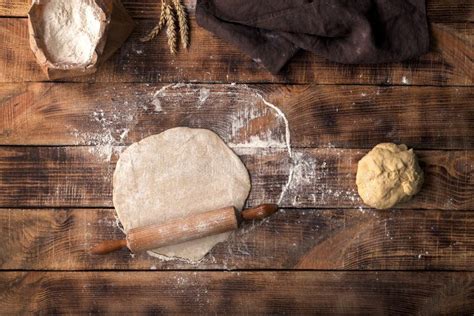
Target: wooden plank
{"points": [[455, 52], [361, 117], [81, 177], [318, 116], [351, 239], [437, 10], [248, 293], [12, 8], [217, 61]]}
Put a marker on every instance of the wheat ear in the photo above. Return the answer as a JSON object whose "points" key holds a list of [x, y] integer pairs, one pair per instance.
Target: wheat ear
{"points": [[171, 29], [157, 29], [183, 23]]}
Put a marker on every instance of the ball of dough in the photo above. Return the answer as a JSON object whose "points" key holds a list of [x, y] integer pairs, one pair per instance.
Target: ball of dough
{"points": [[387, 175]]}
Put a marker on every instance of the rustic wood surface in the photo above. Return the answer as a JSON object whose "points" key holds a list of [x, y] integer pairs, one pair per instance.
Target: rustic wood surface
{"points": [[245, 293], [324, 252], [329, 239], [340, 116]]}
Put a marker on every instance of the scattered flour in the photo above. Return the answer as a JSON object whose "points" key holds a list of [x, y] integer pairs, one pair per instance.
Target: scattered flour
{"points": [[263, 140], [118, 224], [244, 115], [166, 258], [247, 108], [287, 143], [157, 103], [285, 120], [315, 176], [107, 222], [124, 135], [71, 30], [103, 143], [203, 95], [113, 127]]}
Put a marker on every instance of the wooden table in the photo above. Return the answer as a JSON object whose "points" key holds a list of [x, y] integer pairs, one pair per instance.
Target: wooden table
{"points": [[325, 252]]}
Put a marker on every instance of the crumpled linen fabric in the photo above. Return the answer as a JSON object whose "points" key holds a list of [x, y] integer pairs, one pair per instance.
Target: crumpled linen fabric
{"points": [[343, 31]]}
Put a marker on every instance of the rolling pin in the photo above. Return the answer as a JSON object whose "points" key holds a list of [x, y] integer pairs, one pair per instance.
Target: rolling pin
{"points": [[180, 230]]}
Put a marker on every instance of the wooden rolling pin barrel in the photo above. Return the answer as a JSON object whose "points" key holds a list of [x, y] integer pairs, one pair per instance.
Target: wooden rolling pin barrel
{"points": [[180, 230]]}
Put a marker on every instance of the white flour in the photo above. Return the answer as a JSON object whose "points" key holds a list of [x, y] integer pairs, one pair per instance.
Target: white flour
{"points": [[71, 30]]}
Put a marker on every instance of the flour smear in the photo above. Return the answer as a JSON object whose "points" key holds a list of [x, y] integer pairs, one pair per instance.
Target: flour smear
{"points": [[71, 30]]}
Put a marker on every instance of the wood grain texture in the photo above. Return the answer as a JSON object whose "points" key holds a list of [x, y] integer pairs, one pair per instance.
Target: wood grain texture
{"points": [[318, 116], [243, 293], [456, 52], [81, 177], [351, 239], [14, 8], [217, 61], [437, 10]]}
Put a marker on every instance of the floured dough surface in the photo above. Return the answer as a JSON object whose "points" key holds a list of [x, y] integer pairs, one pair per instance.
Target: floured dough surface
{"points": [[179, 172]]}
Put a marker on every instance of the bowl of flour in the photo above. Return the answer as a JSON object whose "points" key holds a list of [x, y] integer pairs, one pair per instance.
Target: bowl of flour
{"points": [[68, 37]]}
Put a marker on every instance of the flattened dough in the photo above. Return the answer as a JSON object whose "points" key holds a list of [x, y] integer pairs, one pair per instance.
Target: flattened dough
{"points": [[179, 172]]}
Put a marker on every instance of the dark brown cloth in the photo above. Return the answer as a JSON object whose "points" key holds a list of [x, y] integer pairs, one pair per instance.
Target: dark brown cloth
{"points": [[344, 31]]}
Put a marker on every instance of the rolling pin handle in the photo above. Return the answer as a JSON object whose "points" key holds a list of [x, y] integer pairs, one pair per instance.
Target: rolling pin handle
{"points": [[259, 212], [108, 246]]}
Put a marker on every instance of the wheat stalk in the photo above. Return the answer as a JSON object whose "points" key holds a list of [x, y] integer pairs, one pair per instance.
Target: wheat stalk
{"points": [[168, 18], [183, 23], [171, 29], [157, 29]]}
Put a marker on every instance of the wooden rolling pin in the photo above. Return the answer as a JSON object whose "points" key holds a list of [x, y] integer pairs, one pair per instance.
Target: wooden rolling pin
{"points": [[180, 230]]}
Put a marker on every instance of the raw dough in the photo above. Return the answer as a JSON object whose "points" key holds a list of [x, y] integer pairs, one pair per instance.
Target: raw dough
{"points": [[178, 172], [387, 175]]}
